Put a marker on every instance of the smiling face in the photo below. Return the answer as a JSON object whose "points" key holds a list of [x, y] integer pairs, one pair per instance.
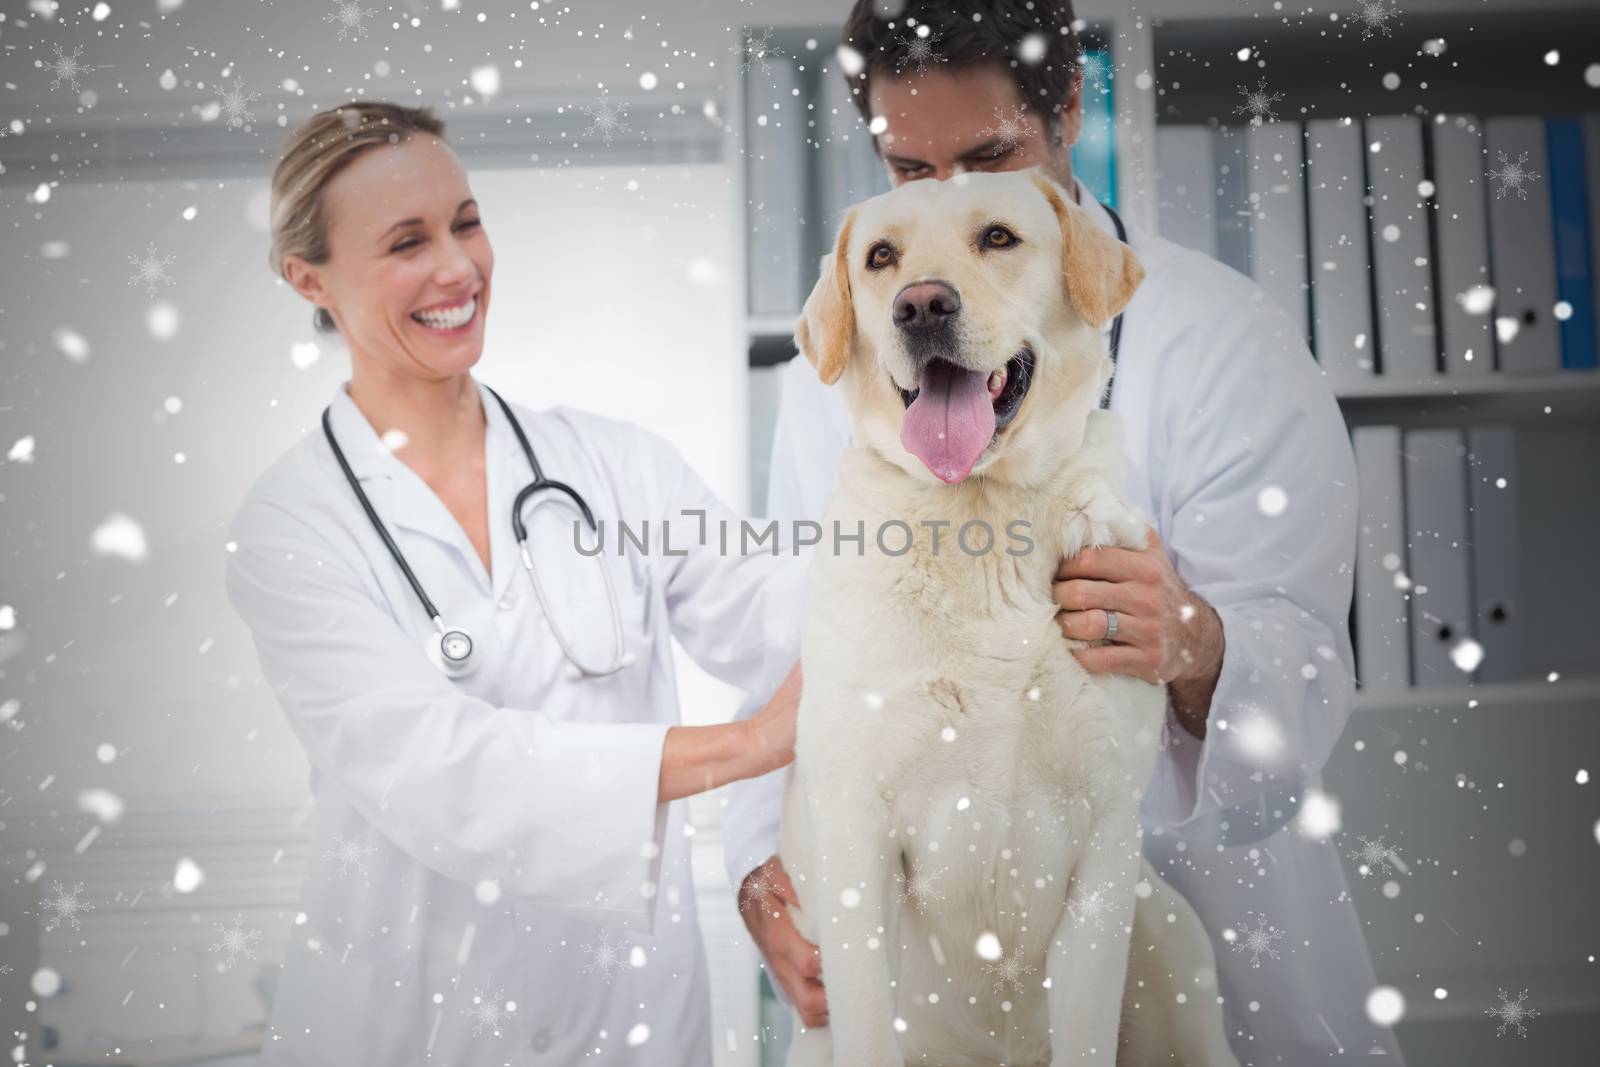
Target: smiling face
{"points": [[963, 317], [407, 278]]}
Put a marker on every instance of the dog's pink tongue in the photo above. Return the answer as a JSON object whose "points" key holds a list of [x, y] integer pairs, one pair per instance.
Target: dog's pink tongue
{"points": [[950, 422]]}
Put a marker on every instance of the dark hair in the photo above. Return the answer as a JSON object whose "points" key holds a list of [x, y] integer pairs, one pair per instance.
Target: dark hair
{"points": [[969, 34]]}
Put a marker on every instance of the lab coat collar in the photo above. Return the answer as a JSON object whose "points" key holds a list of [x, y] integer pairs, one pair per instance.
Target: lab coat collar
{"points": [[404, 500], [1096, 210]]}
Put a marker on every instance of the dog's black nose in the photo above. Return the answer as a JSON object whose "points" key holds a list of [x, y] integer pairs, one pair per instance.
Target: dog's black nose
{"points": [[926, 307]]}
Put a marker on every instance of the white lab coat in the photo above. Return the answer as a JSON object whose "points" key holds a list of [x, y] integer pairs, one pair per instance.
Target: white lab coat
{"points": [[483, 841], [1219, 400]]}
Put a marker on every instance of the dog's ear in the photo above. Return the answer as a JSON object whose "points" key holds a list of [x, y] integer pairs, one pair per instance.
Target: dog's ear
{"points": [[826, 331], [1099, 271]]}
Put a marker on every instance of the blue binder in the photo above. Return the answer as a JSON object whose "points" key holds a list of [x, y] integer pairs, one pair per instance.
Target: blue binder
{"points": [[1570, 221]]}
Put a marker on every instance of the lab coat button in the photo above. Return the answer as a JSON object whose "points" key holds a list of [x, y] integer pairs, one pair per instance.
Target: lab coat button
{"points": [[508, 602]]}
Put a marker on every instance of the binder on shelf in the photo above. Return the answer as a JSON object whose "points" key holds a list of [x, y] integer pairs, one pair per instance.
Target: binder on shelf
{"points": [[1570, 220], [1094, 156], [1276, 183], [1186, 187], [1400, 249], [1461, 224], [1341, 288], [1496, 551], [1591, 167], [1439, 555], [1522, 253], [1383, 652], [1233, 197], [775, 165]]}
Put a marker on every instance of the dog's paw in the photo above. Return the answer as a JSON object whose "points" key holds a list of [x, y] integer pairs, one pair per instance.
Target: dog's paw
{"points": [[1102, 520]]}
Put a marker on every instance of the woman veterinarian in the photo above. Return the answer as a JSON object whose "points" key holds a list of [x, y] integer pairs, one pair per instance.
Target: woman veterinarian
{"points": [[490, 715]]}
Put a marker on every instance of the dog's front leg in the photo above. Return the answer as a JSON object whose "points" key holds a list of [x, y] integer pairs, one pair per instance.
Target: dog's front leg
{"points": [[849, 897], [1088, 958]]}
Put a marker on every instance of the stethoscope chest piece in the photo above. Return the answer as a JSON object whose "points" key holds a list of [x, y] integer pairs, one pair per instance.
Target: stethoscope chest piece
{"points": [[453, 651]]}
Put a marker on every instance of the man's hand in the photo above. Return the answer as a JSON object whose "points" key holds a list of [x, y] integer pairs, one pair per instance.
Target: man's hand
{"points": [[1166, 633], [764, 901]]}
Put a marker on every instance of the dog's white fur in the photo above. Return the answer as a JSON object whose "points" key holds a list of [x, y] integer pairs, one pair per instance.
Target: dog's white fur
{"points": [[948, 741]]}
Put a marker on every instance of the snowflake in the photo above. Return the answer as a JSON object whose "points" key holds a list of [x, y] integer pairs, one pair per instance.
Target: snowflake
{"points": [[921, 888], [235, 104], [607, 119], [349, 854], [1096, 71], [1375, 856], [349, 17], [67, 68], [1509, 176], [1010, 130], [487, 1013], [1374, 16], [755, 49], [5, 968], [1257, 103], [605, 957], [1009, 970], [235, 940], [757, 888], [920, 52], [65, 906], [1511, 1013], [151, 270], [1090, 906], [1257, 942]]}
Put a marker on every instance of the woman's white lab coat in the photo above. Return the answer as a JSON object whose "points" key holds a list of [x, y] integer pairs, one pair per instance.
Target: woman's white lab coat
{"points": [[492, 880], [1219, 400]]}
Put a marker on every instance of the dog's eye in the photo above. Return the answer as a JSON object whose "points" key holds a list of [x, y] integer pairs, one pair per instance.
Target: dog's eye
{"points": [[999, 237], [880, 256]]}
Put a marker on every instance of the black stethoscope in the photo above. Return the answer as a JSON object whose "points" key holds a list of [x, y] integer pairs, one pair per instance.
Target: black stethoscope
{"points": [[451, 648], [1116, 323]]}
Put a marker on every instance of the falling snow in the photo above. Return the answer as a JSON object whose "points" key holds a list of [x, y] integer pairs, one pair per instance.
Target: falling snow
{"points": [[1010, 128], [235, 941], [67, 68], [920, 52], [604, 957], [349, 18], [757, 888], [921, 888], [65, 906], [1258, 941], [607, 120], [235, 103], [1257, 103], [1090, 905], [1373, 17], [1512, 1013], [756, 49], [1008, 971], [1375, 857], [151, 270], [1096, 71], [349, 854], [487, 1013], [1508, 176]]}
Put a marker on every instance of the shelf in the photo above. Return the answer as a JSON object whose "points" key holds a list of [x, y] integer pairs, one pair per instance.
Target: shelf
{"points": [[1490, 397], [1490, 696], [769, 326]]}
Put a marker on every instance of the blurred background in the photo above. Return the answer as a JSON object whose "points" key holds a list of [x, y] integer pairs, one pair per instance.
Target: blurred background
{"points": [[1422, 193]]}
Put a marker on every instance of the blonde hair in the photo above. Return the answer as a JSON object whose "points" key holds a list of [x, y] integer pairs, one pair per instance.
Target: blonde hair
{"points": [[322, 147]]}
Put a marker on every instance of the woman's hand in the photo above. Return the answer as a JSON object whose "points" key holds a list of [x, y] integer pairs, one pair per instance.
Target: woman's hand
{"points": [[764, 901], [695, 759], [772, 728]]}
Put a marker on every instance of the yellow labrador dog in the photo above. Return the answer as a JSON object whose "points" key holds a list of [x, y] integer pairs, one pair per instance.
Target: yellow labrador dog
{"points": [[962, 819]]}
